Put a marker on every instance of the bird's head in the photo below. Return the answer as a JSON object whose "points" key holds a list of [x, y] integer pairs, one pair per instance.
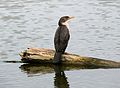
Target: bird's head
{"points": [[64, 20]]}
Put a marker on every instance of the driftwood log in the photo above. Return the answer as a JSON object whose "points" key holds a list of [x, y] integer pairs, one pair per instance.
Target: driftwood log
{"points": [[45, 56]]}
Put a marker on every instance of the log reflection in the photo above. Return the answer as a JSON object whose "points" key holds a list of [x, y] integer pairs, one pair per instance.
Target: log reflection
{"points": [[36, 69], [49, 68], [60, 79]]}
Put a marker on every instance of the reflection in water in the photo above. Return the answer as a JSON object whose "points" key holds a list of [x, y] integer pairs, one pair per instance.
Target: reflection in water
{"points": [[33, 69], [60, 80], [36, 69]]}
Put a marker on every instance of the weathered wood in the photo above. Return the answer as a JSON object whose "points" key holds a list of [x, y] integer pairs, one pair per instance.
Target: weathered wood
{"points": [[41, 55]]}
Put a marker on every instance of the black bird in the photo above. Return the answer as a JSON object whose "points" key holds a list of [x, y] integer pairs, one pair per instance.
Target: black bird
{"points": [[61, 38]]}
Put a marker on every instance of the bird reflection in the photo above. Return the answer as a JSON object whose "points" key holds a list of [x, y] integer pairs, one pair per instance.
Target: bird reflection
{"points": [[60, 80]]}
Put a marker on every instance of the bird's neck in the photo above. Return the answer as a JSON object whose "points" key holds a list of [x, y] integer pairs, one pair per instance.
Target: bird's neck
{"points": [[64, 24], [61, 26]]}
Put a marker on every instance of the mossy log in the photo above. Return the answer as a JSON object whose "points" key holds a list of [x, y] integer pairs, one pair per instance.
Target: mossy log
{"points": [[45, 56]]}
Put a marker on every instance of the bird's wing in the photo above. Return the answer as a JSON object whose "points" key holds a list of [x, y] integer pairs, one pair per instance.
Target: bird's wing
{"points": [[61, 38], [57, 36]]}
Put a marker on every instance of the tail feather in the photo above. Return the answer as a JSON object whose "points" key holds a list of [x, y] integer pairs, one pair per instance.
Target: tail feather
{"points": [[57, 57]]}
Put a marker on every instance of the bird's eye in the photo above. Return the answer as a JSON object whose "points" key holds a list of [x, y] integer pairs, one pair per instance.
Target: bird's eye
{"points": [[63, 20]]}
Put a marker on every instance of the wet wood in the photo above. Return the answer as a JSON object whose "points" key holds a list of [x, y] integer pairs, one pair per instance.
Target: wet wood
{"points": [[45, 56]]}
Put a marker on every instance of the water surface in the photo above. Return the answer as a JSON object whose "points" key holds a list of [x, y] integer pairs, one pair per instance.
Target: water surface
{"points": [[32, 23]]}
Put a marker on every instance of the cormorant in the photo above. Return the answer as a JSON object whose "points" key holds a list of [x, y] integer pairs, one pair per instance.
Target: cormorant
{"points": [[61, 38]]}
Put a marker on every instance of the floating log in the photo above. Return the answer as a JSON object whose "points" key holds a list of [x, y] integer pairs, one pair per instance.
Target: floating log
{"points": [[45, 56]]}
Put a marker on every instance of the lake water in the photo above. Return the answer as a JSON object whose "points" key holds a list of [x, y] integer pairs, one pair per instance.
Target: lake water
{"points": [[95, 32]]}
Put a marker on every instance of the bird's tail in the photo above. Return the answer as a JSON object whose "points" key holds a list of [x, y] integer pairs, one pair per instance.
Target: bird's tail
{"points": [[57, 57]]}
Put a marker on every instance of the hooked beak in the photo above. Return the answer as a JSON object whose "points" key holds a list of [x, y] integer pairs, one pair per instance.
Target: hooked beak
{"points": [[71, 17]]}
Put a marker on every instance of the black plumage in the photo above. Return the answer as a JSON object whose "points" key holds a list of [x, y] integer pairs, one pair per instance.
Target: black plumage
{"points": [[61, 38]]}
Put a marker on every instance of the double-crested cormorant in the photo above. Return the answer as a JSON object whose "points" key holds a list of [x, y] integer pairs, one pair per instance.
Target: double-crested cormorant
{"points": [[61, 38]]}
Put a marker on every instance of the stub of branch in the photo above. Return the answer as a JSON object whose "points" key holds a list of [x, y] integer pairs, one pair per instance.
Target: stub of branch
{"points": [[42, 55]]}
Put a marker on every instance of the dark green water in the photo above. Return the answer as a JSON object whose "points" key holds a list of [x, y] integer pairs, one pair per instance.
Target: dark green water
{"points": [[31, 23]]}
